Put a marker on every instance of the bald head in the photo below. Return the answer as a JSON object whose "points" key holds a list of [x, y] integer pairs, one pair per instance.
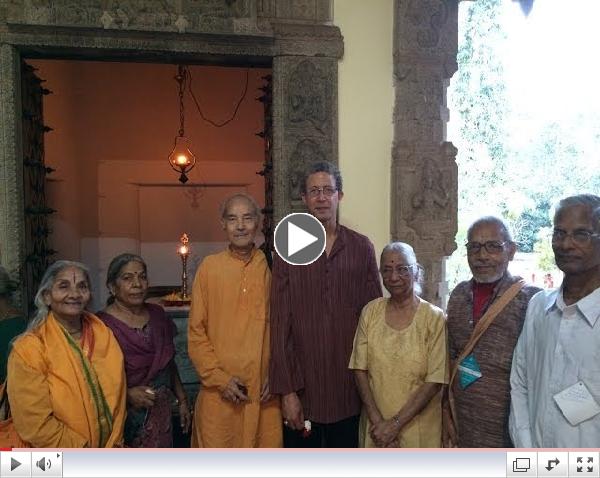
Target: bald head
{"points": [[240, 198], [490, 220]]}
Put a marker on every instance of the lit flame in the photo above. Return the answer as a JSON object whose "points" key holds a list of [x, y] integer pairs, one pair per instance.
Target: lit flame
{"points": [[182, 160], [183, 250]]}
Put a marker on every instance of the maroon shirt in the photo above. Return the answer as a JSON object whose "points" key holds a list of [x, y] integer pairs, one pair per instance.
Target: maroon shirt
{"points": [[482, 293], [314, 314]]}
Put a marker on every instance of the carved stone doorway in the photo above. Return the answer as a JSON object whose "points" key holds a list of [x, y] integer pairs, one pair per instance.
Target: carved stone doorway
{"points": [[296, 40], [110, 128]]}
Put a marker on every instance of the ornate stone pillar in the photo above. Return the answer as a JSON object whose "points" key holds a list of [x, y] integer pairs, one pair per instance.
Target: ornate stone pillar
{"points": [[11, 167], [305, 124], [424, 172]]}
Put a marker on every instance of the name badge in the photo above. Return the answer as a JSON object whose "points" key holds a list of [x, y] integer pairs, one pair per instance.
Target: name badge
{"points": [[468, 372], [577, 403]]}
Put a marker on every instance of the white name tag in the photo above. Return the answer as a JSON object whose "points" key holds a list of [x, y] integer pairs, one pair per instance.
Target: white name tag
{"points": [[577, 403]]}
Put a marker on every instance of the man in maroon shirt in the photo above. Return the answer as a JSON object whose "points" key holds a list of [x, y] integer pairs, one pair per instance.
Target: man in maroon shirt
{"points": [[314, 313], [482, 407]]}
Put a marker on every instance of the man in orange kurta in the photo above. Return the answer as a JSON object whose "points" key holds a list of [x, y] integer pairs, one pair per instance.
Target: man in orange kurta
{"points": [[228, 339]]}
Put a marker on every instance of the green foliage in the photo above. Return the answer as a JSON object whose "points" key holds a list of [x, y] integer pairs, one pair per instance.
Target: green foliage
{"points": [[527, 226], [543, 247], [479, 99]]}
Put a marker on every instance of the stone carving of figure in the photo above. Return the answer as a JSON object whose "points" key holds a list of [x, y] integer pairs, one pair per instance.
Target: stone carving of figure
{"points": [[432, 198], [307, 95], [305, 153]]}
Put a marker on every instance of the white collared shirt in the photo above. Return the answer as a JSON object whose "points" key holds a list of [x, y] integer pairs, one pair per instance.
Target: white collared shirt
{"points": [[559, 345]]}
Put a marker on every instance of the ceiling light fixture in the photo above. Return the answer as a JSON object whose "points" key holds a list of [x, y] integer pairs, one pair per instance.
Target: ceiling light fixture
{"points": [[181, 158]]}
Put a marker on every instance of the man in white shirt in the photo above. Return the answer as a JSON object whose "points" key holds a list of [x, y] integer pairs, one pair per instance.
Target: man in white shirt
{"points": [[555, 377]]}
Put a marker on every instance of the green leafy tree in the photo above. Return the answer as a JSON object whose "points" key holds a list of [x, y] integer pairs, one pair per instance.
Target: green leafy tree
{"points": [[513, 161], [478, 98], [543, 248]]}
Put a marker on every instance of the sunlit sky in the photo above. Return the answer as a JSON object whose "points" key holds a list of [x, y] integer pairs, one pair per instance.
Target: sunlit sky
{"points": [[551, 71], [552, 58]]}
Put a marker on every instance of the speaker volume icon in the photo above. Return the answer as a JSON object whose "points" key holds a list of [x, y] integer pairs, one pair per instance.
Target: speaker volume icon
{"points": [[43, 463]]}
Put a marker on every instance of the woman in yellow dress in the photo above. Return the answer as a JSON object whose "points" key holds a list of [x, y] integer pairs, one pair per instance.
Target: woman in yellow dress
{"points": [[400, 359]]}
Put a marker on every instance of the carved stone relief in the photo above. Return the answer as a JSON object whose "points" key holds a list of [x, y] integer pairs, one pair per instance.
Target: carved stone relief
{"points": [[427, 197], [307, 131], [313, 11], [84, 13], [427, 25], [12, 228], [427, 17], [306, 152], [307, 96], [241, 16], [424, 172], [143, 15]]}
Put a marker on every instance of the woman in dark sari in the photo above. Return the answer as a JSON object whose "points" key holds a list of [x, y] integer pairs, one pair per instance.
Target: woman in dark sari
{"points": [[145, 335]]}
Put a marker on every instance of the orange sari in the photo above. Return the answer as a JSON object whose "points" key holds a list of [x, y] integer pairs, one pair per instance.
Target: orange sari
{"points": [[64, 393]]}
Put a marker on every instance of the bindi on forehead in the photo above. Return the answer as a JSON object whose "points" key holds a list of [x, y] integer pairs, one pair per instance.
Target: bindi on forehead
{"points": [[394, 258], [70, 275]]}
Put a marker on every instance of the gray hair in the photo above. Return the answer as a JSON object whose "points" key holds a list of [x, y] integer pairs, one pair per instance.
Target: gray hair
{"points": [[323, 167], [46, 284], [407, 251], [115, 267], [589, 201], [227, 203], [7, 285], [504, 230]]}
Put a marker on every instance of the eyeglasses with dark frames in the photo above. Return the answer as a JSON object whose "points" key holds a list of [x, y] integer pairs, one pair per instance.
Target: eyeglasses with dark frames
{"points": [[492, 247], [581, 237], [327, 191]]}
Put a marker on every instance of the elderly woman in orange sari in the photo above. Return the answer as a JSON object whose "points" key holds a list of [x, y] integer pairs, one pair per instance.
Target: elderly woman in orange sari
{"points": [[66, 380]]}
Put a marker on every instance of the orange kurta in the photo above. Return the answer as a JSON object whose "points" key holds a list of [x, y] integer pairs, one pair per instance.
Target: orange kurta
{"points": [[228, 335], [54, 402]]}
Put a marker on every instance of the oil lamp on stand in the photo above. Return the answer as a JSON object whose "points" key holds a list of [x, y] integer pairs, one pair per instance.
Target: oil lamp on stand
{"points": [[184, 252]]}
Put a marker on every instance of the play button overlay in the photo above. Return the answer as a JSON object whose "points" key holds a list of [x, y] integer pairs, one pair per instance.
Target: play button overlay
{"points": [[299, 239]]}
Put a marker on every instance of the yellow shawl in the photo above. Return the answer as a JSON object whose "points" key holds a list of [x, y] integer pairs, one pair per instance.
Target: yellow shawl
{"points": [[63, 395]]}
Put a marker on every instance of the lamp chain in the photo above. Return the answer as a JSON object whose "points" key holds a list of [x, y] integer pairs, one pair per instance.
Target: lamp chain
{"points": [[181, 76]]}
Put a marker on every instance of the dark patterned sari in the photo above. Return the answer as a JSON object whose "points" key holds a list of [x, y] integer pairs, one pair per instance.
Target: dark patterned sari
{"points": [[148, 354]]}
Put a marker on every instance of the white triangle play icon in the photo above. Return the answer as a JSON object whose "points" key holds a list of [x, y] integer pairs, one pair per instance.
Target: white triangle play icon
{"points": [[298, 239]]}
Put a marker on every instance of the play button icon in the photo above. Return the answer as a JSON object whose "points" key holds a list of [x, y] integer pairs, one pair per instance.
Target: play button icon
{"points": [[299, 239]]}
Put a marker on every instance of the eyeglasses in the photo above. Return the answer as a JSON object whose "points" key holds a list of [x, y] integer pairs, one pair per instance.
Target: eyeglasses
{"points": [[581, 237], [402, 271], [492, 247], [327, 191]]}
